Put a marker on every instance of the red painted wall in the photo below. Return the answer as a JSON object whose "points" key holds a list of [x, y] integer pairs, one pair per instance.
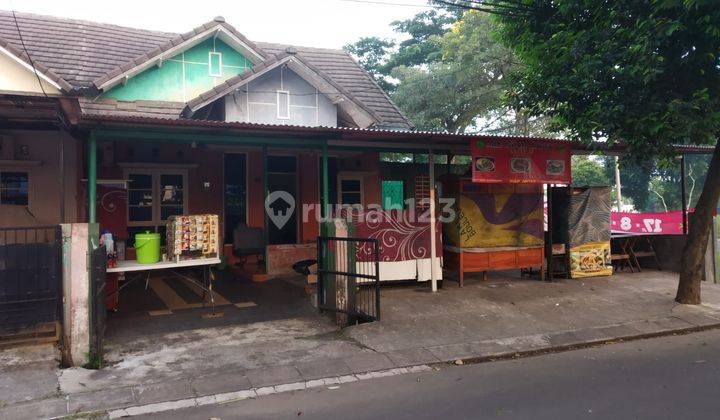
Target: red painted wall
{"points": [[309, 194]]}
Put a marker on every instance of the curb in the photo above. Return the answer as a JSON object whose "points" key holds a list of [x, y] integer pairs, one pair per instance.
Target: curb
{"points": [[579, 345], [505, 354], [229, 397]]}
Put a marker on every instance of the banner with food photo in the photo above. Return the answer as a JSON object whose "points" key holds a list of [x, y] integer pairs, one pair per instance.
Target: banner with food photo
{"points": [[590, 260], [514, 163], [589, 232]]}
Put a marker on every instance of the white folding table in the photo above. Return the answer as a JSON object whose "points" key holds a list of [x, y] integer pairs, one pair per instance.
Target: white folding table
{"points": [[128, 266]]}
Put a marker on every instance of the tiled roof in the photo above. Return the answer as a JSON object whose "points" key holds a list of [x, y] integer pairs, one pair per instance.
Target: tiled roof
{"points": [[112, 107], [83, 53], [234, 83], [39, 67]]}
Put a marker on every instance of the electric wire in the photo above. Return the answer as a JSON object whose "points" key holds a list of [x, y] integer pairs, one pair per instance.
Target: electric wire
{"points": [[32, 64]]}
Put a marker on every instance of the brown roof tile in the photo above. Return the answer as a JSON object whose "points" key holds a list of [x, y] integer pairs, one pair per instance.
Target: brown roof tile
{"points": [[82, 53]]}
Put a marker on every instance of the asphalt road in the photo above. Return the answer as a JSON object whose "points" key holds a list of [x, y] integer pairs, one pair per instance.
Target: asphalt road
{"points": [[670, 377]]}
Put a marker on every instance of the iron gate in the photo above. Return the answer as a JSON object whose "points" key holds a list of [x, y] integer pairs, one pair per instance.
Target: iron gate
{"points": [[349, 279], [30, 281], [98, 314]]}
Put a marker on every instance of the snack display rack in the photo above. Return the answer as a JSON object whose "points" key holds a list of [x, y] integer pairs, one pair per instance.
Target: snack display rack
{"points": [[192, 236]]}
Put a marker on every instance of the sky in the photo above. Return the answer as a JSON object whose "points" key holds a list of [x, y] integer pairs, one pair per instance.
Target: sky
{"points": [[314, 23]]}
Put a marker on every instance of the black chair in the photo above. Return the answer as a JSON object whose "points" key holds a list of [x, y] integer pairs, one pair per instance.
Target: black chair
{"points": [[248, 241]]}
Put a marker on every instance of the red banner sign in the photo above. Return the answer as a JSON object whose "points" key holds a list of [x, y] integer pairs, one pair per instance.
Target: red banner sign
{"points": [[537, 165], [668, 223]]}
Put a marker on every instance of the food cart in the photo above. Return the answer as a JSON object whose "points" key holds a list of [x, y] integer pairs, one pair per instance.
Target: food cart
{"points": [[500, 217]]}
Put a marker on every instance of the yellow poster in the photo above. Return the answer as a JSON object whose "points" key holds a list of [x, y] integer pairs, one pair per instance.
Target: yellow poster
{"points": [[590, 260], [488, 220]]}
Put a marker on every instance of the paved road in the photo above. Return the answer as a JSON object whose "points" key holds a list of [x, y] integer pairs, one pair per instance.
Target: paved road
{"points": [[670, 377]]}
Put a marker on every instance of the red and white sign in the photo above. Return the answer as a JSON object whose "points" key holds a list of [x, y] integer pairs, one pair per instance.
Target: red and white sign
{"points": [[502, 164], [668, 223]]}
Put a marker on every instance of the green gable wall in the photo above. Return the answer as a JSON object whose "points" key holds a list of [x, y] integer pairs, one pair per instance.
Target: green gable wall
{"points": [[182, 77]]}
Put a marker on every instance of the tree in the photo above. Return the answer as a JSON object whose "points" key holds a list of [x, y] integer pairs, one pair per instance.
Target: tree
{"points": [[448, 74], [372, 53], [644, 73], [588, 171], [424, 29], [379, 56]]}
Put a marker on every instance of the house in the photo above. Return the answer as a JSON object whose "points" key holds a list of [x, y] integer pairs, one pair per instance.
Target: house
{"points": [[96, 74]]}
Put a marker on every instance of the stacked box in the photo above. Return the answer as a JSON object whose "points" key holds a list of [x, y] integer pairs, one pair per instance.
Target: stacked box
{"points": [[192, 236]]}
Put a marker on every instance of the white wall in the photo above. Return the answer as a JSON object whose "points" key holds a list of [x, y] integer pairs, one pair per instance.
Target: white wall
{"points": [[257, 101], [43, 167], [16, 78]]}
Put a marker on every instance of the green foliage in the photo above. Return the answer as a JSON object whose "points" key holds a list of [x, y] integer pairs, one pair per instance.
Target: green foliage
{"points": [[447, 74], [466, 83], [643, 72], [372, 53], [425, 29], [589, 171]]}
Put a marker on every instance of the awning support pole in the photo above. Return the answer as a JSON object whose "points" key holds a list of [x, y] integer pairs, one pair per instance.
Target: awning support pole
{"points": [[325, 182], [549, 245], [433, 253], [92, 176], [618, 187], [266, 234], [683, 199]]}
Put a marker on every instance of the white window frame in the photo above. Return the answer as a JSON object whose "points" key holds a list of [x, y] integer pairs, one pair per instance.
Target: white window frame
{"points": [[350, 177], [210, 55], [29, 181], [283, 92], [156, 206]]}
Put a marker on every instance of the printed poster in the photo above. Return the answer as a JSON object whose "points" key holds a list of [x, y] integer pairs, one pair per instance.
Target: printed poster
{"points": [[520, 164]]}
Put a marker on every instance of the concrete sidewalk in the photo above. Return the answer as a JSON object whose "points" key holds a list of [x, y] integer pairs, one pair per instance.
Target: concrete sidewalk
{"points": [[501, 318]]}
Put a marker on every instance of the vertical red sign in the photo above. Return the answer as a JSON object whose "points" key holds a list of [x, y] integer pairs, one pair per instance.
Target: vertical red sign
{"points": [[503, 164]]}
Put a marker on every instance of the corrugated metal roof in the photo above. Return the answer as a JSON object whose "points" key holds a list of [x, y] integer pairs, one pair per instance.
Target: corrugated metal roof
{"points": [[409, 138]]}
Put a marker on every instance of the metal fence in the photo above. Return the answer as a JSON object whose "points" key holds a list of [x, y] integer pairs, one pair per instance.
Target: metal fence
{"points": [[30, 277], [349, 279], [98, 314]]}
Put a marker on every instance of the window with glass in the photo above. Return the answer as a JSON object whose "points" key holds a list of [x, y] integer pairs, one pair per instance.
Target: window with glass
{"points": [[350, 190], [14, 188], [154, 196]]}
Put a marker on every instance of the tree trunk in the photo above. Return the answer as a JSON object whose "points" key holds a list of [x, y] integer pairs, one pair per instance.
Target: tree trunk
{"points": [[691, 269]]}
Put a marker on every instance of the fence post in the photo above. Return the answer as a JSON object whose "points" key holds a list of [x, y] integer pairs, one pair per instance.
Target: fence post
{"points": [[377, 279], [320, 275]]}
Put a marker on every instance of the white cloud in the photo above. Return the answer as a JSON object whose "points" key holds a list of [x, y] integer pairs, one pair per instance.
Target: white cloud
{"points": [[316, 23]]}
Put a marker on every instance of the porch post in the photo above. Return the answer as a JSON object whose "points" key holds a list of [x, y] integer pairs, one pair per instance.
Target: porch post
{"points": [[266, 234], [92, 176], [433, 253], [325, 182], [617, 183], [682, 195]]}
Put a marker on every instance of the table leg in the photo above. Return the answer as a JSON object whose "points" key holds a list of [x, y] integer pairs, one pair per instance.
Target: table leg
{"points": [[626, 252], [652, 248], [210, 287], [632, 254]]}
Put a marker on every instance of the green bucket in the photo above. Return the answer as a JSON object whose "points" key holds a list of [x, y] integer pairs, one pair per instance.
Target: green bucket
{"points": [[147, 247]]}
